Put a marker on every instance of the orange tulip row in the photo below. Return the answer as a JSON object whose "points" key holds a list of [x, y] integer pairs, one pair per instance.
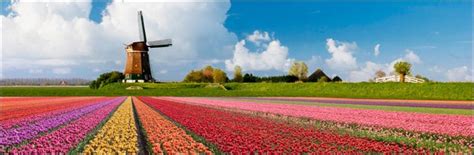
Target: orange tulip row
{"points": [[165, 136]]}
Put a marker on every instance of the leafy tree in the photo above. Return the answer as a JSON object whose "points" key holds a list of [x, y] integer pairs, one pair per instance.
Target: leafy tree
{"points": [[402, 68], [299, 69], [380, 74], [219, 76], [194, 76], [106, 78], [250, 78], [207, 74], [238, 74]]}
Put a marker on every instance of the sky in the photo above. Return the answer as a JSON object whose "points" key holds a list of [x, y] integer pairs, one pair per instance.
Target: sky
{"points": [[83, 38]]}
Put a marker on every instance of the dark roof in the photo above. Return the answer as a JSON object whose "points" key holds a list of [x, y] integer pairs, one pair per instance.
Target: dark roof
{"points": [[318, 74]]}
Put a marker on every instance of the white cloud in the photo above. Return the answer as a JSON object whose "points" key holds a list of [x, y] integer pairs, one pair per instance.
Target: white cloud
{"points": [[436, 69], [257, 37], [314, 62], [367, 72], [273, 57], [61, 34], [341, 52], [459, 74], [61, 70], [377, 50], [412, 57]]}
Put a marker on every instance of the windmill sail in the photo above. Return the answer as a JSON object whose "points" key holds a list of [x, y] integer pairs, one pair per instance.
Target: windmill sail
{"points": [[141, 27], [160, 43]]}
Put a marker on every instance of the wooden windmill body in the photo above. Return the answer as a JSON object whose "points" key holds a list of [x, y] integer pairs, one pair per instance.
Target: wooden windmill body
{"points": [[137, 67]]}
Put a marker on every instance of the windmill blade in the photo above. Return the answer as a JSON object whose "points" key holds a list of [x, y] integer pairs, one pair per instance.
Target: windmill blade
{"points": [[141, 27], [160, 43]]}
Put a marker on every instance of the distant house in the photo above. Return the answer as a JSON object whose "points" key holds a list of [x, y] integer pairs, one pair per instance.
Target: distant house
{"points": [[317, 75], [396, 78], [63, 83]]}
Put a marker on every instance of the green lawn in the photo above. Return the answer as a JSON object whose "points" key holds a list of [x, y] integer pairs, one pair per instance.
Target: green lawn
{"points": [[433, 91]]}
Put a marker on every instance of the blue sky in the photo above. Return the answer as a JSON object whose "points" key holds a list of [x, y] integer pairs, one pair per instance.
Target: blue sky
{"points": [[436, 35]]}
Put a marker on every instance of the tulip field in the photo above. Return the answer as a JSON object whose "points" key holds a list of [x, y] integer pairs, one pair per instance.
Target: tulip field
{"points": [[233, 125]]}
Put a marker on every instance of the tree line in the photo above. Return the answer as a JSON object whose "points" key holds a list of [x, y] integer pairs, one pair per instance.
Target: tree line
{"points": [[43, 81], [298, 72]]}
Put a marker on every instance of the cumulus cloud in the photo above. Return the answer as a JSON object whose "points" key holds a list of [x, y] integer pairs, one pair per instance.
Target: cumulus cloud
{"points": [[377, 50], [273, 57], [57, 34], [367, 72], [459, 74], [314, 62], [410, 56], [341, 55], [258, 37]]}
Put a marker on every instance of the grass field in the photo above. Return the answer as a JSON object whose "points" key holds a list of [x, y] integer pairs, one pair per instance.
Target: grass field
{"points": [[428, 91]]}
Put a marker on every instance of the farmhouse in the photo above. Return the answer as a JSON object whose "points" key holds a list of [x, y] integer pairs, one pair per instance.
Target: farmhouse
{"points": [[396, 78]]}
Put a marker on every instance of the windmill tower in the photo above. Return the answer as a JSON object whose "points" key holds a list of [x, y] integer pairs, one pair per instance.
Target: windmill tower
{"points": [[137, 67]]}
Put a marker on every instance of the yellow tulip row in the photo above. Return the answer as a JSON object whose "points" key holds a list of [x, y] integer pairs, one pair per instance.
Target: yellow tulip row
{"points": [[118, 135]]}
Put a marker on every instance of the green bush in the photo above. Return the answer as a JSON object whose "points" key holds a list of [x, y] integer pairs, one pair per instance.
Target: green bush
{"points": [[106, 78]]}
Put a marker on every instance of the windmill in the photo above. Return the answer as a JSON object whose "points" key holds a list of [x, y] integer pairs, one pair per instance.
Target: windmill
{"points": [[137, 67]]}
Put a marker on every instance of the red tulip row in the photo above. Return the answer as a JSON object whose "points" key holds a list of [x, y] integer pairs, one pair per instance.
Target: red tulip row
{"points": [[24, 110], [15, 104], [163, 135], [240, 133]]}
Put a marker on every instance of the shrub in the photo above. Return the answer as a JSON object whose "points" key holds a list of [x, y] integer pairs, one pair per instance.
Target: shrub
{"points": [[106, 78]]}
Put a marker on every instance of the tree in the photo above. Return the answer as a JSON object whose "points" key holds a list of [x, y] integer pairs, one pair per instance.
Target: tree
{"points": [[402, 68], [207, 74], [194, 76], [238, 74], [249, 78], [106, 78], [380, 74], [299, 69], [219, 76]]}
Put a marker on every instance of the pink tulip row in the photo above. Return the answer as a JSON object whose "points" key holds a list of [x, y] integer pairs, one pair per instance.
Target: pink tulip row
{"points": [[454, 125], [68, 137]]}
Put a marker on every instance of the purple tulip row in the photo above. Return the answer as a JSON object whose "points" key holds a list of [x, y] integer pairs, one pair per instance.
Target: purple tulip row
{"points": [[14, 136], [7, 124], [68, 137], [369, 102]]}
